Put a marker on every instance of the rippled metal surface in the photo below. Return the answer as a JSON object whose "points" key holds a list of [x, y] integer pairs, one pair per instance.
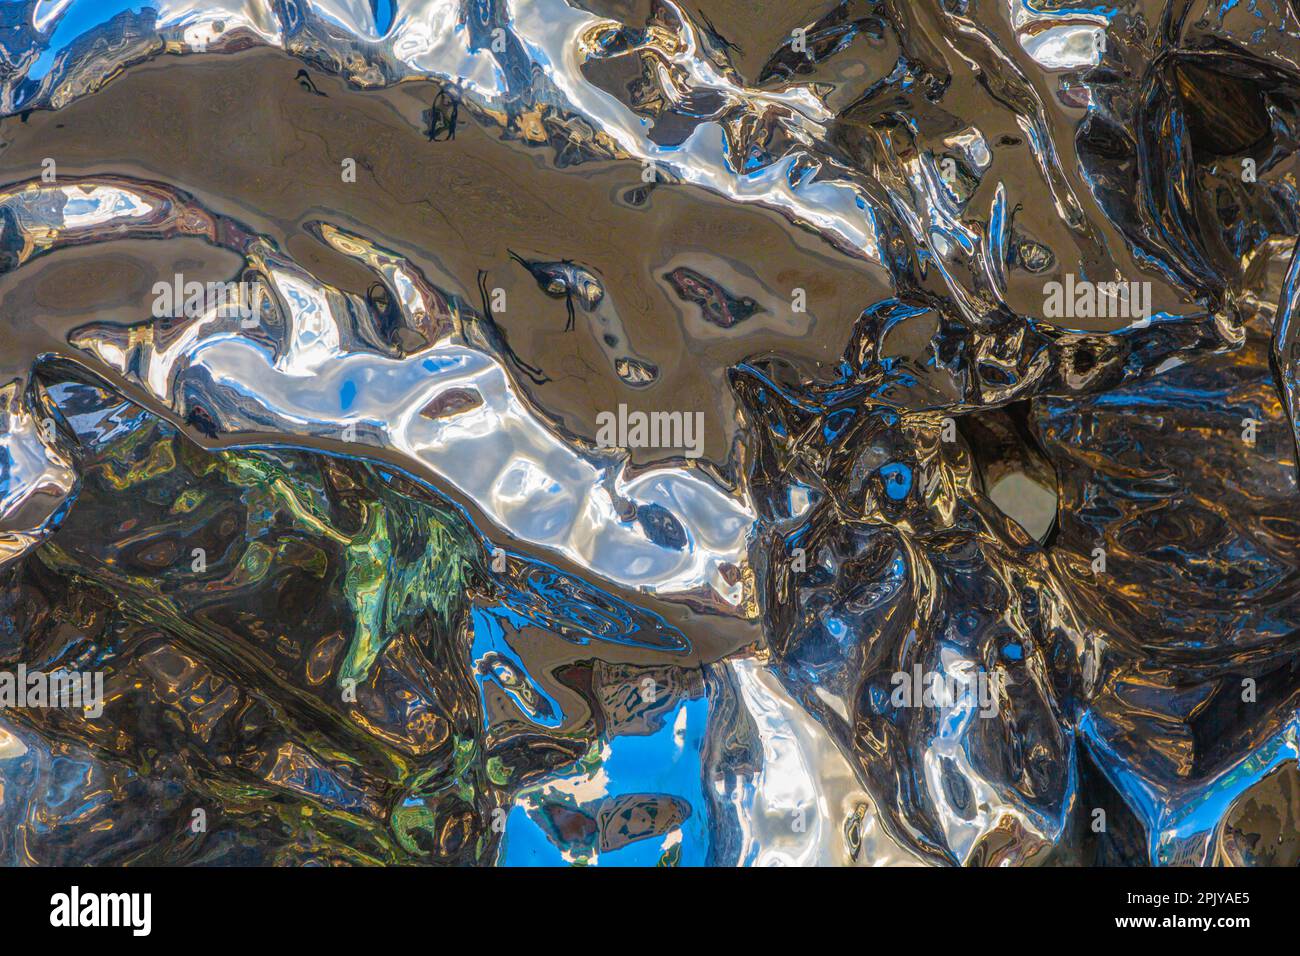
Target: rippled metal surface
{"points": [[618, 415]]}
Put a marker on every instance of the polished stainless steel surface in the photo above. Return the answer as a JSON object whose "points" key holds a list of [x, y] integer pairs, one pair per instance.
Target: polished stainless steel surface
{"points": [[631, 432]]}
